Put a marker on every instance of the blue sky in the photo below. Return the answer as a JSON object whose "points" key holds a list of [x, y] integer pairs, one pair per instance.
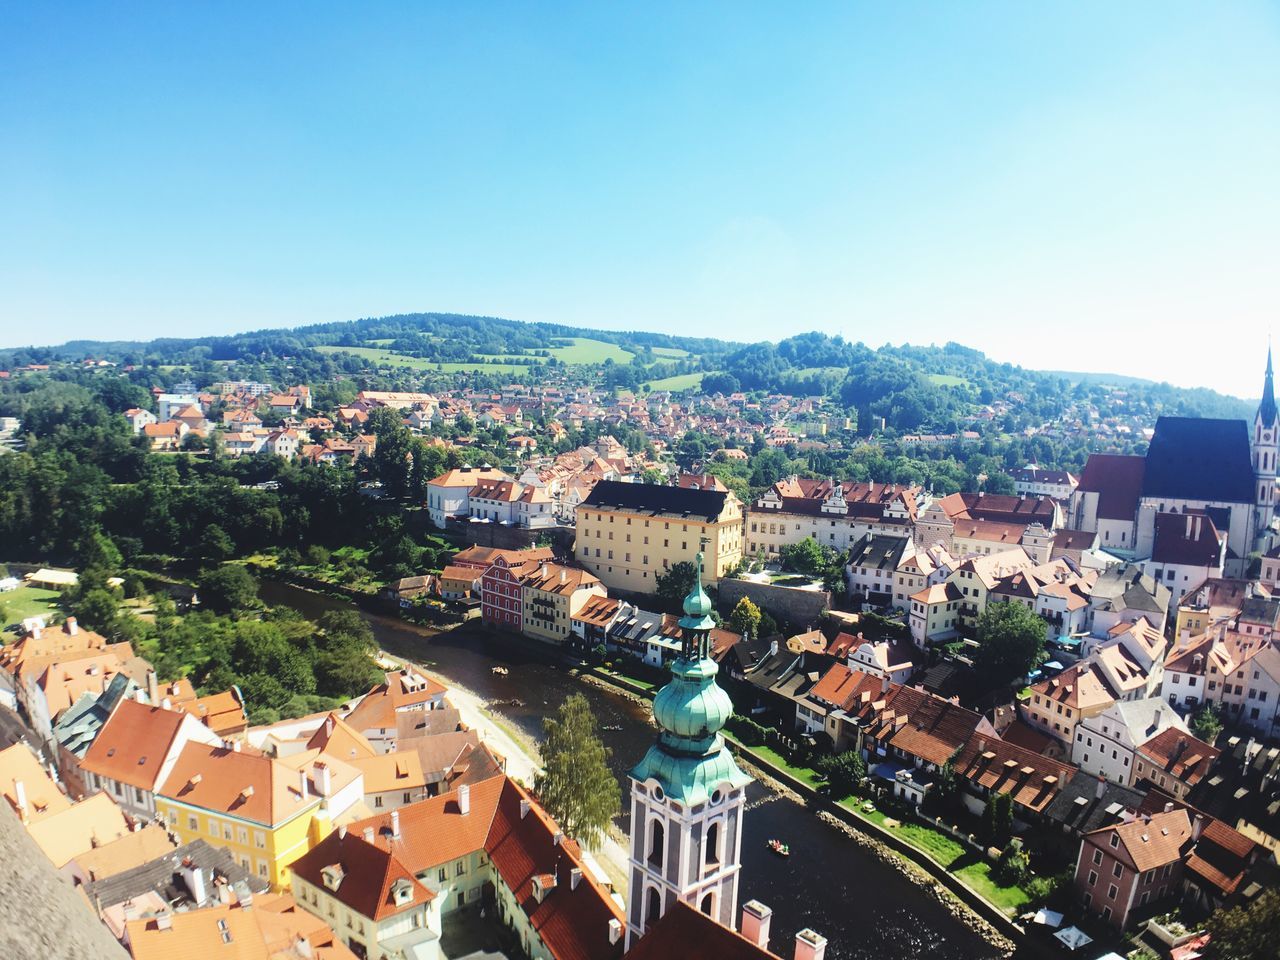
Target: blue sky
{"points": [[1075, 185]]}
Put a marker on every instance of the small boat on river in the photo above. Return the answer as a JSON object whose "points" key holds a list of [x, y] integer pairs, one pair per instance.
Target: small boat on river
{"points": [[500, 671], [778, 847]]}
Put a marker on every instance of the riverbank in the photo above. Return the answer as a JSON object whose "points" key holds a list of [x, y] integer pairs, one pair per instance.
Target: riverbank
{"points": [[867, 908], [523, 759]]}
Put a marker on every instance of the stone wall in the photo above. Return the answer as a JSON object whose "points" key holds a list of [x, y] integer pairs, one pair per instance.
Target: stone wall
{"points": [[800, 608], [509, 538]]}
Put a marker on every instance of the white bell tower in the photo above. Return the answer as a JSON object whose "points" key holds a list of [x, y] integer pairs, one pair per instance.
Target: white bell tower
{"points": [[1266, 445], [687, 794]]}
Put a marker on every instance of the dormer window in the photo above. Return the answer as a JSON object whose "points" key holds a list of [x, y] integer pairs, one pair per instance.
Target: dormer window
{"points": [[402, 892], [332, 876]]}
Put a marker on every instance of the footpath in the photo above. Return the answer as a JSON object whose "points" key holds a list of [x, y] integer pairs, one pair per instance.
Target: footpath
{"points": [[523, 761]]}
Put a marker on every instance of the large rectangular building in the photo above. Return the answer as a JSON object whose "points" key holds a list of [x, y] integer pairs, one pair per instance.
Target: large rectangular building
{"points": [[630, 533]]}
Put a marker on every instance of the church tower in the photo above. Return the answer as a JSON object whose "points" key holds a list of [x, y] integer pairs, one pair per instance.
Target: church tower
{"points": [[1266, 445], [687, 794]]}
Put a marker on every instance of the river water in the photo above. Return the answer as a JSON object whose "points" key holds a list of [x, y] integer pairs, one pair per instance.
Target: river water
{"points": [[865, 908]]}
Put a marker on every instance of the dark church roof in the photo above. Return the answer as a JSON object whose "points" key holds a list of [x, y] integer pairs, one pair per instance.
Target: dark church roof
{"points": [[1194, 458]]}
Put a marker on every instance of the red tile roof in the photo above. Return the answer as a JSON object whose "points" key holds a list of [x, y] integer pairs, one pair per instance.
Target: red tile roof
{"points": [[684, 933], [1031, 779], [369, 874], [1118, 482], [132, 745]]}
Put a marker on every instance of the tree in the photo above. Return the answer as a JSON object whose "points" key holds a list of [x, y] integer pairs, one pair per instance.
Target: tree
{"points": [[745, 618], [227, 589], [215, 545], [576, 785], [844, 772], [1247, 932], [997, 819], [1206, 724], [942, 798], [1013, 865], [1010, 643], [676, 583]]}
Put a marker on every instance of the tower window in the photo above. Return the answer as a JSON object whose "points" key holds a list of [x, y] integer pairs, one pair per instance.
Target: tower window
{"points": [[706, 905], [712, 855], [653, 910], [657, 843]]}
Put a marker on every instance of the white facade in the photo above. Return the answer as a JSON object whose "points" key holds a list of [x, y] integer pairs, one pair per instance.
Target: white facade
{"points": [[678, 853], [1106, 745]]}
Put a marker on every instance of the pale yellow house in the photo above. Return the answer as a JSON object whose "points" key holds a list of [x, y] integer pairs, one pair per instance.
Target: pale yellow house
{"points": [[631, 533], [550, 597]]}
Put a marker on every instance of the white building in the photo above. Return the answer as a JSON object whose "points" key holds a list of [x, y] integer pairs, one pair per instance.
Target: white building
{"points": [[1106, 745]]}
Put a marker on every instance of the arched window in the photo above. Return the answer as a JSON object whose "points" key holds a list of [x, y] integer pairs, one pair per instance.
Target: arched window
{"points": [[712, 850], [657, 842], [653, 910], [706, 905]]}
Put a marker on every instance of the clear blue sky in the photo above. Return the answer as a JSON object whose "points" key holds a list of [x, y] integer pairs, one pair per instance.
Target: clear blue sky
{"points": [[1087, 186]]}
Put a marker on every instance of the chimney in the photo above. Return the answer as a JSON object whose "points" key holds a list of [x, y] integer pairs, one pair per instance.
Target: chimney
{"points": [[1168, 806], [164, 921], [193, 876], [342, 832], [368, 834], [575, 877], [153, 687], [524, 808], [20, 797], [615, 930], [557, 839], [1101, 788], [140, 695], [1188, 517], [755, 923], [810, 945], [72, 626], [464, 799], [302, 783], [235, 746], [166, 703], [1197, 827], [773, 648], [395, 824], [324, 778], [564, 574]]}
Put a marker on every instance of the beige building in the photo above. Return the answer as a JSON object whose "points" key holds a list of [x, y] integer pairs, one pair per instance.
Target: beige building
{"points": [[552, 594], [631, 533]]}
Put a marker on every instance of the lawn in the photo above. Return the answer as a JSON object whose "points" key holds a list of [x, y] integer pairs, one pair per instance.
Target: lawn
{"points": [[17, 605], [963, 863], [685, 381], [584, 350], [947, 380], [806, 775]]}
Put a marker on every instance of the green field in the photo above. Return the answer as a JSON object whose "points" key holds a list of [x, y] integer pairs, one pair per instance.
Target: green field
{"points": [[381, 357], [578, 350], [947, 380], [24, 602], [583, 350], [685, 381]]}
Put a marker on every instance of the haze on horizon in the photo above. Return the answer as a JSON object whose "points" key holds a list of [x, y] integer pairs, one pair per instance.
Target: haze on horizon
{"points": [[1081, 186]]}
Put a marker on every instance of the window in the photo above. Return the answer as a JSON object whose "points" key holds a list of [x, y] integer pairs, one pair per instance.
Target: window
{"points": [[1118, 871], [657, 838], [1097, 856], [1112, 890], [1093, 877]]}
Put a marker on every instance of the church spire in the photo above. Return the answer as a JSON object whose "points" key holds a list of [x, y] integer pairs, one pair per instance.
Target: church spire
{"points": [[687, 793], [1267, 408]]}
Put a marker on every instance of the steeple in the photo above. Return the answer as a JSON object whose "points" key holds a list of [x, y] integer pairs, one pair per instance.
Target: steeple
{"points": [[1267, 408], [687, 793]]}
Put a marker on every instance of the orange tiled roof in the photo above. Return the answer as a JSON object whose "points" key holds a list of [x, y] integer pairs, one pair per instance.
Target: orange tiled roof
{"points": [[133, 744], [1031, 779], [19, 765], [1149, 842]]}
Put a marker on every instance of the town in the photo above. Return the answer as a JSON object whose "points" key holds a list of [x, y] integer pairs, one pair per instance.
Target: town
{"points": [[1050, 689]]}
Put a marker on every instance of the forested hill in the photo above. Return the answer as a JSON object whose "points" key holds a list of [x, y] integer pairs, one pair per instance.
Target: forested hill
{"points": [[436, 336], [913, 388]]}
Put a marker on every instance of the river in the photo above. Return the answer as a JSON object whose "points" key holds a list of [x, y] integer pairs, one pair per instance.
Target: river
{"points": [[865, 908]]}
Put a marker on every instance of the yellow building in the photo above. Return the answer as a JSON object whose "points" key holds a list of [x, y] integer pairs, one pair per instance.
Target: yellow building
{"points": [[266, 812], [551, 594], [630, 533]]}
